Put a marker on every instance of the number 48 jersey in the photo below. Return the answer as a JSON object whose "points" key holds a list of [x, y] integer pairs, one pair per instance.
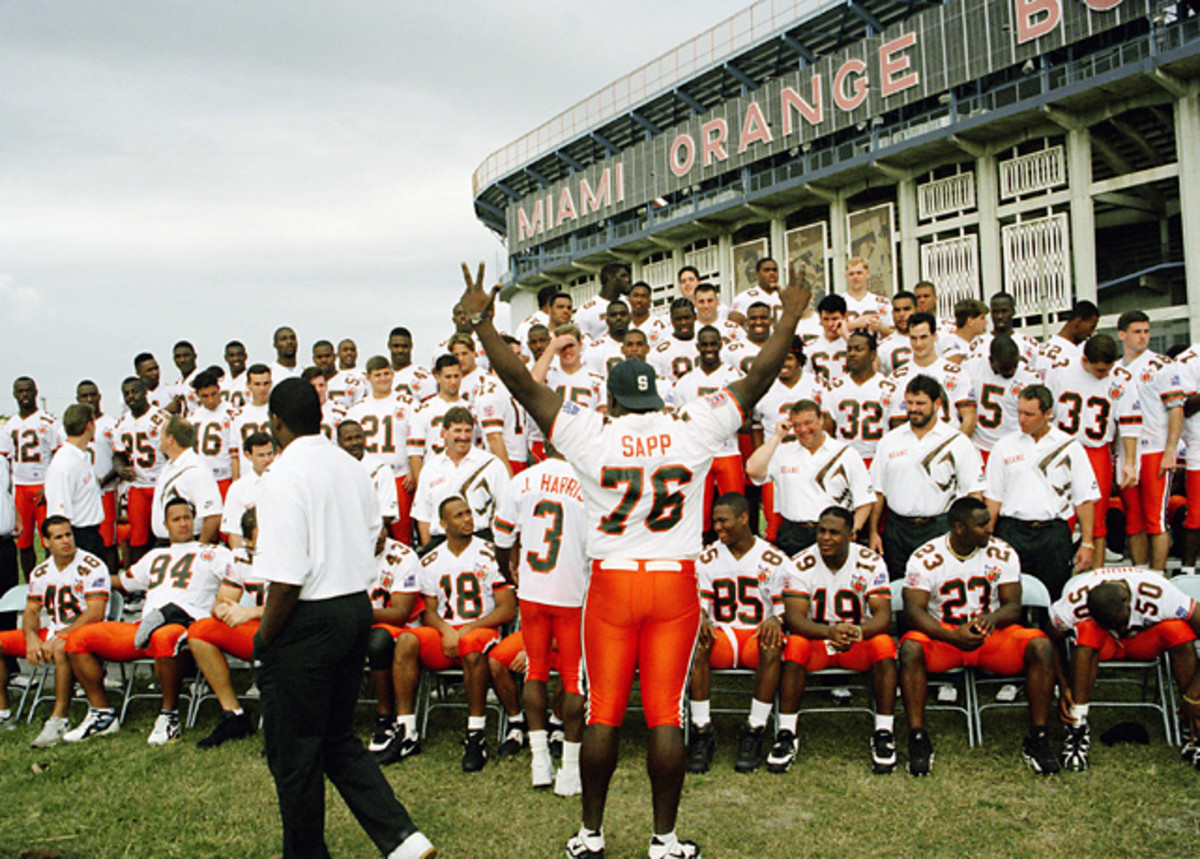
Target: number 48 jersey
{"points": [[544, 508], [743, 592], [842, 596], [62, 595], [464, 585], [961, 589]]}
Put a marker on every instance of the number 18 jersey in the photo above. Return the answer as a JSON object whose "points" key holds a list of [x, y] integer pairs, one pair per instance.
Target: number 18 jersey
{"points": [[643, 474], [743, 592], [465, 584], [961, 589]]}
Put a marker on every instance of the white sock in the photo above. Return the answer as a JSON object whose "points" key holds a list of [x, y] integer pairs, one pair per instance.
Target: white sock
{"points": [[787, 721], [885, 723], [760, 711], [570, 758], [409, 723], [517, 721], [239, 711], [5, 713], [593, 840], [667, 839], [700, 713], [476, 723], [539, 743], [1187, 571], [1079, 712]]}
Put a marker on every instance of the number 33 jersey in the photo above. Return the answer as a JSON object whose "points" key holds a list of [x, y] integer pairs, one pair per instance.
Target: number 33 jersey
{"points": [[643, 474], [184, 574], [743, 592], [544, 508], [961, 589], [464, 585]]}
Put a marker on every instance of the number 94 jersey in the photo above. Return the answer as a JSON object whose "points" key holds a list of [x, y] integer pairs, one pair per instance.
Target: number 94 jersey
{"points": [[465, 584], [63, 594], [841, 596], [743, 592], [185, 574], [1151, 599], [961, 589]]}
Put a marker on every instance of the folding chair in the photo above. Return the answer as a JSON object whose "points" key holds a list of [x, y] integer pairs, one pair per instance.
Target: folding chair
{"points": [[201, 691], [965, 675], [14, 600], [1034, 597], [440, 682]]}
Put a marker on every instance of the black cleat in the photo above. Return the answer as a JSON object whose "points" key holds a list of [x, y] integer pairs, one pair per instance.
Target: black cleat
{"points": [[883, 752], [920, 752], [1035, 751], [700, 749], [750, 746], [231, 727], [1076, 745], [475, 753], [783, 752], [514, 740], [399, 747], [385, 726]]}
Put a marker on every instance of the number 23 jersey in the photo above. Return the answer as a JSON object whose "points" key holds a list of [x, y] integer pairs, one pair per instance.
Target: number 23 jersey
{"points": [[961, 589], [743, 592], [643, 474]]}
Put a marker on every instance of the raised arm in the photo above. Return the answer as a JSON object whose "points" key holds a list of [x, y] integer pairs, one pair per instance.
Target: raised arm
{"points": [[540, 402], [765, 369]]}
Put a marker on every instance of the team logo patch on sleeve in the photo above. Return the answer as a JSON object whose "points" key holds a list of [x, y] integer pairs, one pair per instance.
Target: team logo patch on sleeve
{"points": [[569, 408], [912, 580], [1182, 612], [717, 400], [992, 572]]}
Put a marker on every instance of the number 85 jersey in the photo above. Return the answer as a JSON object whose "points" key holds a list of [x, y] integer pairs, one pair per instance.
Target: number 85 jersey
{"points": [[961, 589], [743, 592], [643, 474]]}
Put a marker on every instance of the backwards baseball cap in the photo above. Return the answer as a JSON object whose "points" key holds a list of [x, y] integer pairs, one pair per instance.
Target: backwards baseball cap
{"points": [[633, 384]]}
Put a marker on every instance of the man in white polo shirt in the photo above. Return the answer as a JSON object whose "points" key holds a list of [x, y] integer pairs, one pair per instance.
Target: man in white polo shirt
{"points": [[319, 560], [72, 490], [186, 476], [1036, 479], [243, 492]]}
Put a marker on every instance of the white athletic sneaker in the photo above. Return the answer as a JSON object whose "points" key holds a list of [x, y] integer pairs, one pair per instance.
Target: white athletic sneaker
{"points": [[415, 846], [947, 693], [166, 730], [1008, 693], [96, 723], [542, 770], [567, 782], [52, 732]]}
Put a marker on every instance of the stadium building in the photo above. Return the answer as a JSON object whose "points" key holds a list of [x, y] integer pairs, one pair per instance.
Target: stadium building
{"points": [[1048, 148]]}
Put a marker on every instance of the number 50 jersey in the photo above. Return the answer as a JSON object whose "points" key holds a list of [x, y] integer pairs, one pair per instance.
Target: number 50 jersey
{"points": [[643, 474], [743, 592]]}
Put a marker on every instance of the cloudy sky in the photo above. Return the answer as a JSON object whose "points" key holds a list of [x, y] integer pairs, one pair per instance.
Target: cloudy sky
{"points": [[212, 170]]}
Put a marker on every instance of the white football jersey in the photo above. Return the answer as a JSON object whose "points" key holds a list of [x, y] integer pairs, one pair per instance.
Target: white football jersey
{"points": [[29, 443], [243, 575], [138, 440], [544, 508], [1092, 410], [981, 348], [500, 413], [860, 413], [843, 595], [417, 382], [962, 590], [827, 358], [997, 400], [582, 386], [242, 424], [1189, 376], [425, 427], [62, 595], [643, 474], [779, 399], [184, 574], [101, 448], [741, 354], [753, 295], [589, 317], [956, 387], [743, 592], [602, 355], [384, 481], [656, 329], [894, 351], [1056, 352], [673, 358], [871, 302], [1159, 389], [809, 330], [348, 387], [233, 391], [242, 495], [397, 570], [332, 414], [214, 438], [464, 585], [697, 384], [1152, 599], [385, 429]]}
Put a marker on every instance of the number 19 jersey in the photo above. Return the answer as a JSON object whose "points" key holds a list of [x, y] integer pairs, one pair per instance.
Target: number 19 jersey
{"points": [[643, 474], [843, 595]]}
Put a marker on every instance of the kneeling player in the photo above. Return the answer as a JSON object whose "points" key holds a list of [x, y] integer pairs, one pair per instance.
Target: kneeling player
{"points": [[230, 630], [181, 582], [71, 588], [466, 603], [838, 606], [741, 580], [962, 598], [1124, 613]]}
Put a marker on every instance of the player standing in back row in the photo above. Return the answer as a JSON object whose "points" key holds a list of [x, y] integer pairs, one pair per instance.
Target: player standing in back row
{"points": [[643, 474]]}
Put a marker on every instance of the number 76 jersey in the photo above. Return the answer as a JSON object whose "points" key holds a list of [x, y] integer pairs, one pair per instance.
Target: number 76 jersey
{"points": [[961, 589], [643, 474], [743, 592]]}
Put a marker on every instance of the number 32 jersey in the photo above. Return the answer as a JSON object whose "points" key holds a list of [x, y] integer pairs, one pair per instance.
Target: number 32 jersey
{"points": [[743, 592], [643, 474], [961, 589]]}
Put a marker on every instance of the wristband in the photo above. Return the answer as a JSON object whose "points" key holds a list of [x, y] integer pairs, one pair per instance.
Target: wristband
{"points": [[1086, 546]]}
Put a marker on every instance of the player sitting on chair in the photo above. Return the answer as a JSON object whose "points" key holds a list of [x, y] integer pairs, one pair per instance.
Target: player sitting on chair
{"points": [[741, 581], [466, 603], [837, 603], [230, 630], [181, 582], [962, 598], [70, 589], [1123, 613]]}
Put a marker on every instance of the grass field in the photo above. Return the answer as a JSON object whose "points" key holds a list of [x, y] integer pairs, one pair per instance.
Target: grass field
{"points": [[116, 796]]}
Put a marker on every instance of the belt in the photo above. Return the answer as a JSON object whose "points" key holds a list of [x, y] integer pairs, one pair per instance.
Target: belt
{"points": [[664, 566], [1035, 524], [807, 526], [917, 520]]}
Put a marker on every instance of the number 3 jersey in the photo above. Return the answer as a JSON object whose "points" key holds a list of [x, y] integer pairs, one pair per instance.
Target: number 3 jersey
{"points": [[643, 474], [843, 595], [743, 592], [1151, 599], [544, 508], [961, 589], [62, 595], [184, 574], [464, 585]]}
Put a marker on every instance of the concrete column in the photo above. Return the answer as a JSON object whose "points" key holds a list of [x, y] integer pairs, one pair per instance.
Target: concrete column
{"points": [[987, 190], [778, 241], [1187, 132], [1083, 217], [725, 250], [910, 249], [839, 243]]}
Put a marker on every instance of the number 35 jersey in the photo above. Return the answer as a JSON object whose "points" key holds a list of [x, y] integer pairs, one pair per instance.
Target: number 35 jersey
{"points": [[184, 574], [544, 508], [62, 595], [961, 589], [464, 585], [643, 474], [743, 592]]}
